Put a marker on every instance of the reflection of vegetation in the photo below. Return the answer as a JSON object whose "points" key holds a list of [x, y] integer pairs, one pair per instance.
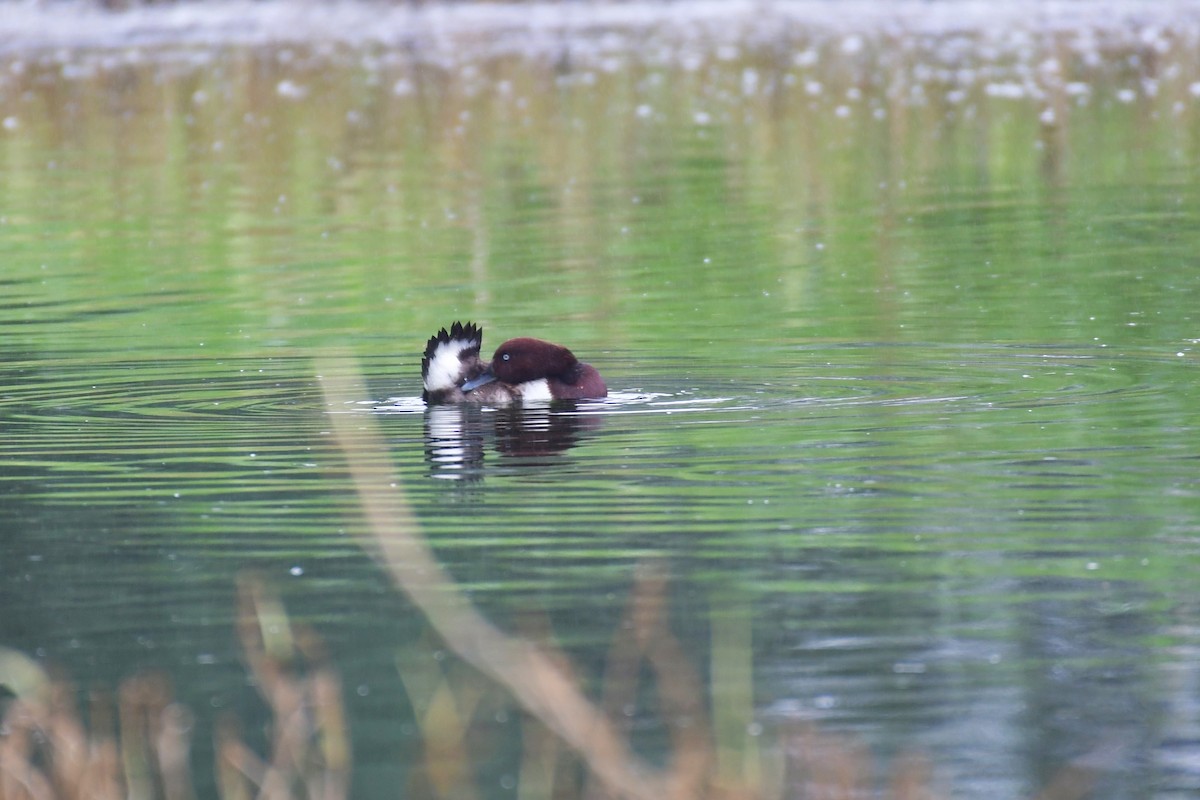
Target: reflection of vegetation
{"points": [[544, 683], [290, 197], [268, 200], [310, 749], [46, 751], [142, 750]]}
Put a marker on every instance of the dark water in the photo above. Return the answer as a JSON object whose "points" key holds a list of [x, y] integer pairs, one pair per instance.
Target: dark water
{"points": [[903, 395]]}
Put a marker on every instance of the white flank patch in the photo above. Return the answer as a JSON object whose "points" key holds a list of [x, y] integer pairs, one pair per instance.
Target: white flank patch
{"points": [[536, 391], [445, 368]]}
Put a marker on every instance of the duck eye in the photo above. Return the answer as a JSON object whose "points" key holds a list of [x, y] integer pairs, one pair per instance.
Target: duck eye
{"points": [[505, 356]]}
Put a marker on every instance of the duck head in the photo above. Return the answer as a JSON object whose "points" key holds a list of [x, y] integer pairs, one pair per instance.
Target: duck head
{"points": [[524, 360]]}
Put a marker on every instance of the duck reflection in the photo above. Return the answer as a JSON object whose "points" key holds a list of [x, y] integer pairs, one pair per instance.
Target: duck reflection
{"points": [[457, 436]]}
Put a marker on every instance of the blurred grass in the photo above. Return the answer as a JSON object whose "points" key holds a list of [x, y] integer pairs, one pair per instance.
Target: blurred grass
{"points": [[865, 187], [253, 158], [136, 744]]}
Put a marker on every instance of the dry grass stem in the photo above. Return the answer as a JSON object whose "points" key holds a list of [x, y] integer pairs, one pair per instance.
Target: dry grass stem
{"points": [[138, 747], [310, 750], [48, 752], [540, 687], [543, 682]]}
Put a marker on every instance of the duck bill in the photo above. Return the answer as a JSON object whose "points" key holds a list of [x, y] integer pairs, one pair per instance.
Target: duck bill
{"points": [[480, 380]]}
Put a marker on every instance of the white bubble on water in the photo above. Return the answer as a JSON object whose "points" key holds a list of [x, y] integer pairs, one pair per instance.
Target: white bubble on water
{"points": [[749, 81], [806, 58], [1007, 89], [291, 90]]}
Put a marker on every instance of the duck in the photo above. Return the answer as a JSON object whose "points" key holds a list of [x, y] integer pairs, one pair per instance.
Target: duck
{"points": [[524, 369]]}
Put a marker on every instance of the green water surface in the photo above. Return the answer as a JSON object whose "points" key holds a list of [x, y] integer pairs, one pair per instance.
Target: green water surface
{"points": [[901, 336]]}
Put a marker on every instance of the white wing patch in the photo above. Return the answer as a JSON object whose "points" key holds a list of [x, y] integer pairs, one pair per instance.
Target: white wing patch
{"points": [[536, 391], [445, 368]]}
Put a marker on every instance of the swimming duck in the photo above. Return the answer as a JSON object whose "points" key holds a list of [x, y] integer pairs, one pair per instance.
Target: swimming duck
{"points": [[522, 369]]}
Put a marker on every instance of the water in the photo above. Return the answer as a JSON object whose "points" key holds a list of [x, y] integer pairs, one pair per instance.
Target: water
{"points": [[898, 317]]}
